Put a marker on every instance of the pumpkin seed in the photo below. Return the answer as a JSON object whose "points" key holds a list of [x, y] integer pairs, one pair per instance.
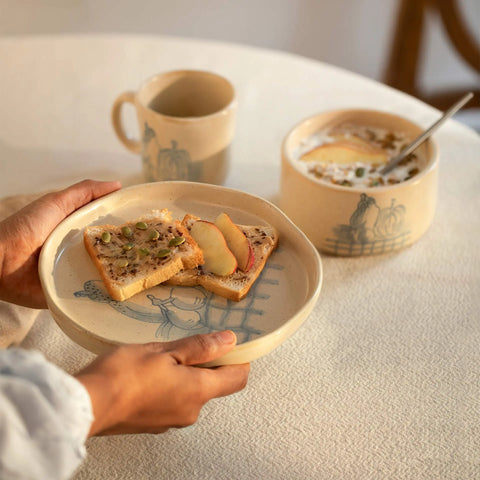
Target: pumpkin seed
{"points": [[141, 225], [127, 232], [143, 251], [164, 252], [128, 246], [175, 242], [106, 237], [122, 263], [153, 235], [360, 172]]}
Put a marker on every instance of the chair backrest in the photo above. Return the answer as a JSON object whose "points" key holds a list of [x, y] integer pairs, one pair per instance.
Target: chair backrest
{"points": [[405, 54]]}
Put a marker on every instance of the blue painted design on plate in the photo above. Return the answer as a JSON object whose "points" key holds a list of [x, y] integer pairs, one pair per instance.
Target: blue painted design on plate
{"points": [[192, 309]]}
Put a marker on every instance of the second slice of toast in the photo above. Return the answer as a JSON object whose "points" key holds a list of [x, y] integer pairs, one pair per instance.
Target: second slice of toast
{"points": [[263, 240]]}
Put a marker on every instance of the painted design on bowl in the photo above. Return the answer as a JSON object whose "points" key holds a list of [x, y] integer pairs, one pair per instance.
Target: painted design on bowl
{"points": [[193, 309], [372, 229], [164, 163]]}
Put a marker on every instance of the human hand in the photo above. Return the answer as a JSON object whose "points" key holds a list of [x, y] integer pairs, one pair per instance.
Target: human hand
{"points": [[153, 387], [23, 234]]}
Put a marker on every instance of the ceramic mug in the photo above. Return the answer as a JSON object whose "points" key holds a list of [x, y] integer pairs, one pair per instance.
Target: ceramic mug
{"points": [[187, 122]]}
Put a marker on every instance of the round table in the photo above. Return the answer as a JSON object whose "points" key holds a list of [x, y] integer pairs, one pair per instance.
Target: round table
{"points": [[383, 378]]}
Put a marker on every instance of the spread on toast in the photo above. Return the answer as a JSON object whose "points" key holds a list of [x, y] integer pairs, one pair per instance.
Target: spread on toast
{"points": [[140, 254]]}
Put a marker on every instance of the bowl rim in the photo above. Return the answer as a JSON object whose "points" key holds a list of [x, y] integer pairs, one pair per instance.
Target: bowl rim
{"points": [[432, 164]]}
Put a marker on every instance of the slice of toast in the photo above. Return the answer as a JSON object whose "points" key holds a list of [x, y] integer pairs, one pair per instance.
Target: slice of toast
{"points": [[263, 239], [142, 253]]}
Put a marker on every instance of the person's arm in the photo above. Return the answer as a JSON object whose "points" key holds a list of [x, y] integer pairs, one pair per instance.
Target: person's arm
{"points": [[46, 415]]}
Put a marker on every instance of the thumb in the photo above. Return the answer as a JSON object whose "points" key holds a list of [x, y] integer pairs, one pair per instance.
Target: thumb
{"points": [[81, 193], [201, 348]]}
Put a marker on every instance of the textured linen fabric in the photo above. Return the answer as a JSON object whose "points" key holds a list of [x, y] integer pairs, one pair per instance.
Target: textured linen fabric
{"points": [[45, 416], [15, 322], [382, 381]]}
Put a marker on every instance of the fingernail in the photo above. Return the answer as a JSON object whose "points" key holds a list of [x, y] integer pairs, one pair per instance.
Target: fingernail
{"points": [[226, 337]]}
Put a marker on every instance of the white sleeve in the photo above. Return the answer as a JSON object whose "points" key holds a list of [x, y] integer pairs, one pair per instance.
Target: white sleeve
{"points": [[45, 417]]}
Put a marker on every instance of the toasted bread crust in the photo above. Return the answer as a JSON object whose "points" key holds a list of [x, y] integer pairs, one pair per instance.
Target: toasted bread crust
{"points": [[143, 271]]}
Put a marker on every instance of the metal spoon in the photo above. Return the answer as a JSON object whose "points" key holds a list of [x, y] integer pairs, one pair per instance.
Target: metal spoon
{"points": [[426, 134]]}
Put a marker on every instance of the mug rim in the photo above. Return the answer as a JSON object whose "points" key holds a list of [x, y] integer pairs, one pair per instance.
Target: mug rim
{"points": [[432, 162], [230, 105]]}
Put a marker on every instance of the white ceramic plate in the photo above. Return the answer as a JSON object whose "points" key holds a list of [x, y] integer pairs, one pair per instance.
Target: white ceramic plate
{"points": [[278, 303]]}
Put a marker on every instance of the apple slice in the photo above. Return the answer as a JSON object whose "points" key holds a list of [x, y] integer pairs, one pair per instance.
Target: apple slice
{"points": [[237, 242], [345, 152], [218, 258]]}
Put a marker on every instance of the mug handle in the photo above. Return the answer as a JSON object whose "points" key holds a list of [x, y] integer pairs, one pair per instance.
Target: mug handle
{"points": [[126, 97]]}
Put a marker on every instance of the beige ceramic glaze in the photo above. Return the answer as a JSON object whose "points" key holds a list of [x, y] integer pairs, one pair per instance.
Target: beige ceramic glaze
{"points": [[186, 120], [354, 220], [278, 303]]}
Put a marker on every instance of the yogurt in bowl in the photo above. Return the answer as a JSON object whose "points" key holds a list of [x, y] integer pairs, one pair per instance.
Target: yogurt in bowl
{"points": [[331, 185], [364, 150]]}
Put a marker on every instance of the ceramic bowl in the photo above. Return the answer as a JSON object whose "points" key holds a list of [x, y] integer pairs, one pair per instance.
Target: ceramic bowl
{"points": [[351, 221], [276, 306]]}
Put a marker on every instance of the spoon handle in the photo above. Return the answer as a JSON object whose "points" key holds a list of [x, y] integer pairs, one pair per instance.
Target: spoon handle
{"points": [[421, 138]]}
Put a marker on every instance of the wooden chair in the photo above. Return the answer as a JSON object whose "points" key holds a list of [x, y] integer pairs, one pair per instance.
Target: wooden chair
{"points": [[403, 62]]}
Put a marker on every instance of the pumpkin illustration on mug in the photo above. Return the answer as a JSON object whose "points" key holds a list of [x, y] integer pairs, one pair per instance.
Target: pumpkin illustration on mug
{"points": [[168, 163], [173, 163]]}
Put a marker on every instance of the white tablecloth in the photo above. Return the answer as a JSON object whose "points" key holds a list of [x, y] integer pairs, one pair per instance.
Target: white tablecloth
{"points": [[382, 380]]}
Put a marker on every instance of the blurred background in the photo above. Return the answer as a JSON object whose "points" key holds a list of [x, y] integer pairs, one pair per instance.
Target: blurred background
{"points": [[428, 48]]}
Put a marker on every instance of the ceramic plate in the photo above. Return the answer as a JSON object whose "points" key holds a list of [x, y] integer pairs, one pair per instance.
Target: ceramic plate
{"points": [[277, 304]]}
